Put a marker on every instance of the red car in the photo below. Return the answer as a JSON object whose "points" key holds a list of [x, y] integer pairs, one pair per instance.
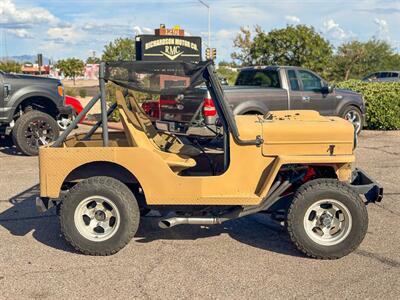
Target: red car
{"points": [[63, 123]]}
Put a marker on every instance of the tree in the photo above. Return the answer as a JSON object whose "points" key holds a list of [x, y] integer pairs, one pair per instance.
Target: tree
{"points": [[119, 49], [243, 42], [356, 59], [10, 66], [93, 60], [298, 45], [71, 67], [228, 73]]}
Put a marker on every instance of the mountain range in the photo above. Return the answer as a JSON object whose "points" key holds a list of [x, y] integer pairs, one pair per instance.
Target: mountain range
{"points": [[27, 58]]}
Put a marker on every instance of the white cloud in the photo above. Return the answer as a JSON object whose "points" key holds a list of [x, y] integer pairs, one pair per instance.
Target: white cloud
{"points": [[23, 17], [21, 33], [292, 19], [142, 30], [383, 29], [68, 35], [224, 34], [334, 31]]}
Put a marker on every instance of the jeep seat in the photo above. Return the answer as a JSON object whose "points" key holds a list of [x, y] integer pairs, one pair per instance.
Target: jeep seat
{"points": [[141, 133]]}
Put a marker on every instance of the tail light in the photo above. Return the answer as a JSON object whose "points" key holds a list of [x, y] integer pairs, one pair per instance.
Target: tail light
{"points": [[209, 108], [152, 109]]}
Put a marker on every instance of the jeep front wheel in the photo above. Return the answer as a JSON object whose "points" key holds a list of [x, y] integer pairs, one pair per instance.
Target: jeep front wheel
{"points": [[327, 219], [32, 130], [99, 216]]}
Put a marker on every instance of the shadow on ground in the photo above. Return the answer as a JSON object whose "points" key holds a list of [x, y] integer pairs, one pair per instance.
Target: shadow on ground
{"points": [[7, 146], [256, 231]]}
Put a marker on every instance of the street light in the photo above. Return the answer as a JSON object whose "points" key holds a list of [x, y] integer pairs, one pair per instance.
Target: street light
{"points": [[209, 21]]}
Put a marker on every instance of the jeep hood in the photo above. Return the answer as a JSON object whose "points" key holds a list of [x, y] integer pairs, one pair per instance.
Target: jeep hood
{"points": [[299, 133], [306, 133]]}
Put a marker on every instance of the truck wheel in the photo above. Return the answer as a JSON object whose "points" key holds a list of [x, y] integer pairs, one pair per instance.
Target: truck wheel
{"points": [[99, 216], [32, 130], [353, 115], [327, 219]]}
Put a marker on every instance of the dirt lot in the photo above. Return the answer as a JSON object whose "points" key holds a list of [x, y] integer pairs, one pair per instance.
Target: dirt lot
{"points": [[251, 257]]}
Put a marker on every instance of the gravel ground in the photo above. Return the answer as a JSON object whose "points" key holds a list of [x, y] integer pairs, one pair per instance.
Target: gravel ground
{"points": [[250, 257]]}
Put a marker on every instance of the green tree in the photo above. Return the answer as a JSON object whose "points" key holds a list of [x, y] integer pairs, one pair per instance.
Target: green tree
{"points": [[10, 66], [93, 60], [71, 67], [119, 49], [244, 42], [298, 45], [228, 73], [355, 59]]}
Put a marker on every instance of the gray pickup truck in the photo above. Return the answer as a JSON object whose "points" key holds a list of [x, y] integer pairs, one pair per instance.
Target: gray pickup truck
{"points": [[29, 108], [258, 90]]}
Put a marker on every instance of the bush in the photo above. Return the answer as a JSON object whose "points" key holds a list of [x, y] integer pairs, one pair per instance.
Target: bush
{"points": [[71, 92], [82, 93], [382, 101]]}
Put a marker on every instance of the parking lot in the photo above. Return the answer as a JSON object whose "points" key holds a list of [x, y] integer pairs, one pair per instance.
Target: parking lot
{"points": [[247, 258]]}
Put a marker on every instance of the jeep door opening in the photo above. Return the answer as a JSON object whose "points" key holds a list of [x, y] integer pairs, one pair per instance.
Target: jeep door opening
{"points": [[297, 161]]}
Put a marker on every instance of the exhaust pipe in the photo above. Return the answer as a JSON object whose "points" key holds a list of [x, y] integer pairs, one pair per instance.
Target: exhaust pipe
{"points": [[171, 222], [274, 194]]}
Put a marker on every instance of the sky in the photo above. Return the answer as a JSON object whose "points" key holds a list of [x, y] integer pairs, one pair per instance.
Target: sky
{"points": [[76, 28]]}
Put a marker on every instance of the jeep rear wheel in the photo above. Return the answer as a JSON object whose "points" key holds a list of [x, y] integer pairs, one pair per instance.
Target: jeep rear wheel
{"points": [[32, 130], [327, 219], [99, 216]]}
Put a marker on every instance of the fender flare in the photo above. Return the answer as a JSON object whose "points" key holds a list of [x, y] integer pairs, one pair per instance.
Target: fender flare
{"points": [[252, 105]]}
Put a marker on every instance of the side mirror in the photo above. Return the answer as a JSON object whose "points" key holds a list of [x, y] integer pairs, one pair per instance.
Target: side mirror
{"points": [[327, 89]]}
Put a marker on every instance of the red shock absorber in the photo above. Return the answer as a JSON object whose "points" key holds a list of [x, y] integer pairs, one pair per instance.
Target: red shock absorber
{"points": [[309, 174]]}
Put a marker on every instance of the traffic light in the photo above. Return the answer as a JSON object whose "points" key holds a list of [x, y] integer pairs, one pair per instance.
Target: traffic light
{"points": [[208, 53], [211, 53]]}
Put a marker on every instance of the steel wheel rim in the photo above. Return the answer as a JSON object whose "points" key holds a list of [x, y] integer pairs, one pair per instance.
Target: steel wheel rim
{"points": [[38, 133], [63, 123], [327, 222], [97, 218], [354, 117]]}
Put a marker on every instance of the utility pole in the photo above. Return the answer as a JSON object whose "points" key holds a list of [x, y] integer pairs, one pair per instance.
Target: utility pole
{"points": [[209, 21]]}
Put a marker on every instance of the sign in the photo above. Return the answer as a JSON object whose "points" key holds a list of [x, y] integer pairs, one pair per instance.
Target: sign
{"points": [[168, 48]]}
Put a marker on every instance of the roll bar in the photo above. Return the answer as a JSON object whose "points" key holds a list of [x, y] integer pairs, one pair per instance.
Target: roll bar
{"points": [[212, 83]]}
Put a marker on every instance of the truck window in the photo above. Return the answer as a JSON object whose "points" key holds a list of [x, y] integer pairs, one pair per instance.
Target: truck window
{"points": [[310, 81], [264, 78], [294, 82]]}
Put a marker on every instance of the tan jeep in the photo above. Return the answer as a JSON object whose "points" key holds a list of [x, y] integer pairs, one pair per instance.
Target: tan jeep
{"points": [[295, 162]]}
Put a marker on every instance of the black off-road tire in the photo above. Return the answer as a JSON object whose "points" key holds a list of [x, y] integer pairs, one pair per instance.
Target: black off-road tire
{"points": [[20, 128], [320, 189], [120, 195]]}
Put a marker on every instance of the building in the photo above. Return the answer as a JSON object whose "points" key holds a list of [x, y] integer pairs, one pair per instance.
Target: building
{"points": [[33, 69]]}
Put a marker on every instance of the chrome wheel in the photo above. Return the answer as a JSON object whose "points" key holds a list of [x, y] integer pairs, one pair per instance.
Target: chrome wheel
{"points": [[327, 222], [354, 117], [97, 218], [63, 123]]}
